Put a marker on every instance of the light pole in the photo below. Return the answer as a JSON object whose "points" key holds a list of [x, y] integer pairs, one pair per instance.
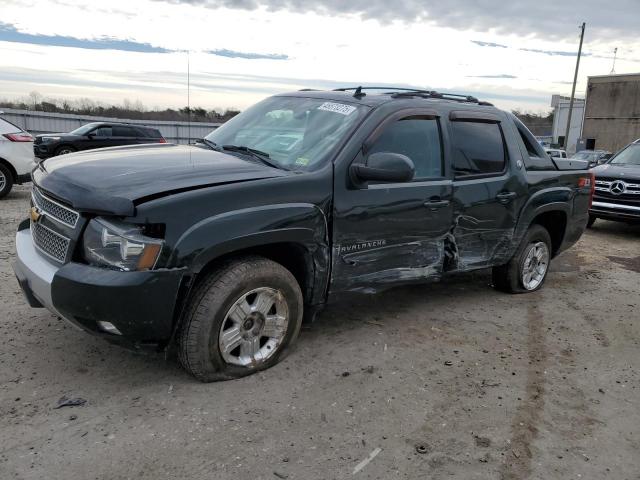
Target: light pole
{"points": [[573, 90]]}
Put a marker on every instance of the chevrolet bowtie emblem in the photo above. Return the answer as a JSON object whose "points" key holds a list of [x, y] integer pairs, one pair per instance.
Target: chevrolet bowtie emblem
{"points": [[35, 215]]}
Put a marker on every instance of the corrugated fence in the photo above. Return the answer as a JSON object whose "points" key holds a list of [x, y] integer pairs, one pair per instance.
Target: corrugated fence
{"points": [[43, 122]]}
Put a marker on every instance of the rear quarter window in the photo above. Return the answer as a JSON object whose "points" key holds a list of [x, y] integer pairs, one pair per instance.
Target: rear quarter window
{"points": [[535, 158]]}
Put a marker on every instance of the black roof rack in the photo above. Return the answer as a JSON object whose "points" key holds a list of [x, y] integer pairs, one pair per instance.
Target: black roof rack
{"points": [[397, 92]]}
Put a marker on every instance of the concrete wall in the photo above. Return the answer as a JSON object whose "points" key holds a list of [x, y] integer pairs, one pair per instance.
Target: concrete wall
{"points": [[43, 122], [612, 114]]}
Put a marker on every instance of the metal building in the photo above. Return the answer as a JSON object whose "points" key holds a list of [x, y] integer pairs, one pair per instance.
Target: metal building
{"points": [[43, 122], [560, 106], [612, 112]]}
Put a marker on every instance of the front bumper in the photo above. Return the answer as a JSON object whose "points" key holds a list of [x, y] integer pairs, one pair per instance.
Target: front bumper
{"points": [[43, 150], [615, 211], [139, 304]]}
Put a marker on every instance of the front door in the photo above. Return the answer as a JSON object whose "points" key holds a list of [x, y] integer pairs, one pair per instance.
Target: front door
{"points": [[386, 233]]}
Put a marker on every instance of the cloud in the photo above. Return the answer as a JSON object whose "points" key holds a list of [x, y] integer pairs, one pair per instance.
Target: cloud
{"points": [[501, 75], [8, 33], [547, 19], [249, 56], [488, 44], [554, 53]]}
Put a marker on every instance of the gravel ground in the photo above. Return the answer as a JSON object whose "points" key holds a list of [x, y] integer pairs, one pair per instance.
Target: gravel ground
{"points": [[449, 380]]}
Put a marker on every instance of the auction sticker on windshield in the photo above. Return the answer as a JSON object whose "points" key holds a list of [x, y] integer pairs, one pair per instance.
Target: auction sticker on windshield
{"points": [[337, 108]]}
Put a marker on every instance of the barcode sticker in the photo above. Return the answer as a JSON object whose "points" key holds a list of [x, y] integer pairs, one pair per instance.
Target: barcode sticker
{"points": [[337, 108]]}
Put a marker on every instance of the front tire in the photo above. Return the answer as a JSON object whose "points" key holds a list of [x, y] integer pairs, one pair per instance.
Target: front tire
{"points": [[243, 318], [6, 181], [591, 221], [528, 268], [64, 150]]}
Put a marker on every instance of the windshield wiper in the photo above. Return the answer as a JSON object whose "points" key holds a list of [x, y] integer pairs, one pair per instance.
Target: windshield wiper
{"points": [[209, 143], [252, 152]]}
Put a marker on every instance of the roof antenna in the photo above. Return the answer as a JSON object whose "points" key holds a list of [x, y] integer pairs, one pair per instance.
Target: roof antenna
{"points": [[359, 93]]}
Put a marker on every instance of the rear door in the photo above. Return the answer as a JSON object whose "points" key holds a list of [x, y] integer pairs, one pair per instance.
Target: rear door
{"points": [[486, 193], [387, 233]]}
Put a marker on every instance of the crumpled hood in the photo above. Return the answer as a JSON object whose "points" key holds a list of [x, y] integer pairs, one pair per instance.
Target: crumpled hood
{"points": [[113, 180], [610, 170]]}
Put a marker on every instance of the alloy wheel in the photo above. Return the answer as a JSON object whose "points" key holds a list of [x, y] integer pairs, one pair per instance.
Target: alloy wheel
{"points": [[536, 264], [254, 327]]}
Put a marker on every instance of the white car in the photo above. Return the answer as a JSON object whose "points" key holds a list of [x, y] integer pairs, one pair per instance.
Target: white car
{"points": [[16, 156], [556, 153]]}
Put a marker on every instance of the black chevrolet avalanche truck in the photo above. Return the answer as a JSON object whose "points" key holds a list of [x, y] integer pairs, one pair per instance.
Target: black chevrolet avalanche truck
{"points": [[222, 248]]}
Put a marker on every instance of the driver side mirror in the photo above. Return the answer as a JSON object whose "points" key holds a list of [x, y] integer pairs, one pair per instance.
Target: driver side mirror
{"points": [[91, 135], [384, 167]]}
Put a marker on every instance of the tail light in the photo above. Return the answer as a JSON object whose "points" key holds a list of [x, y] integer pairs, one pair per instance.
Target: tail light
{"points": [[162, 140], [19, 137], [590, 182]]}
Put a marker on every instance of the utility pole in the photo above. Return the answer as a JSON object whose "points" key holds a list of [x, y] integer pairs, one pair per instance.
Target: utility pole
{"points": [[573, 90], [615, 56], [188, 97]]}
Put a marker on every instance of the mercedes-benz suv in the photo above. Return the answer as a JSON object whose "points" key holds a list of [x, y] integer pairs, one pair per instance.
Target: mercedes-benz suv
{"points": [[617, 195]]}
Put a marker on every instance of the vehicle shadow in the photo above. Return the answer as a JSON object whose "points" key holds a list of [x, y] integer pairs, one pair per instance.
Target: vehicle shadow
{"points": [[620, 230]]}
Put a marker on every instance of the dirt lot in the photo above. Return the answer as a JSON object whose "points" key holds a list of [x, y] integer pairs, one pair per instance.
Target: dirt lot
{"points": [[449, 380]]}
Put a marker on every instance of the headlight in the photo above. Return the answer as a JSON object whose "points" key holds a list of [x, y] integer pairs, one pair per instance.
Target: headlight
{"points": [[120, 246], [50, 139]]}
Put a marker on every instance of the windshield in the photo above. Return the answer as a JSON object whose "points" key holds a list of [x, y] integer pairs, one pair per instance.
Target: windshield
{"points": [[297, 133], [586, 156], [83, 130], [628, 156]]}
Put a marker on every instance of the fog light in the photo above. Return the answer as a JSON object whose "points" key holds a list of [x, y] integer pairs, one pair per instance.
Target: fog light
{"points": [[109, 327]]}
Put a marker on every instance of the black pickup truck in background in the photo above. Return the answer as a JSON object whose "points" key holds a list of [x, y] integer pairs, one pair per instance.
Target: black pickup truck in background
{"points": [[223, 247], [617, 195]]}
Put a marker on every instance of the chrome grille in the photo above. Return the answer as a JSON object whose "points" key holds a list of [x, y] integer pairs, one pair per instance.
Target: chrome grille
{"points": [[55, 210], [630, 188], [49, 242]]}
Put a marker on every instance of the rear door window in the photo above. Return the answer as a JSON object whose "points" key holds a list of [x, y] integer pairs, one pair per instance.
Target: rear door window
{"points": [[124, 132], [478, 149], [417, 137]]}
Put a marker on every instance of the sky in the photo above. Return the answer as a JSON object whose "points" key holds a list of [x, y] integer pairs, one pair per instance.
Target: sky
{"points": [[515, 54]]}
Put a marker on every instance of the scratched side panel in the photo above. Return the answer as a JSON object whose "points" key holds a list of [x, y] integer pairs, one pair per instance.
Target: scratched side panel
{"points": [[384, 236], [378, 268]]}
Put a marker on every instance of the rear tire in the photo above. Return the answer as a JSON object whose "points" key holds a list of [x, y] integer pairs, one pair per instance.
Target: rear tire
{"points": [[528, 268], [244, 317], [591, 221], [6, 181]]}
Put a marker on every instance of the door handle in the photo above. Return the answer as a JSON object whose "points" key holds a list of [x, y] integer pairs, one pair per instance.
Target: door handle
{"points": [[436, 204], [506, 197]]}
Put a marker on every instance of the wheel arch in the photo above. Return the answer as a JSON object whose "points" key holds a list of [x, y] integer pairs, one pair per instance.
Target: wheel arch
{"points": [[11, 168], [550, 208], [555, 222], [293, 235]]}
